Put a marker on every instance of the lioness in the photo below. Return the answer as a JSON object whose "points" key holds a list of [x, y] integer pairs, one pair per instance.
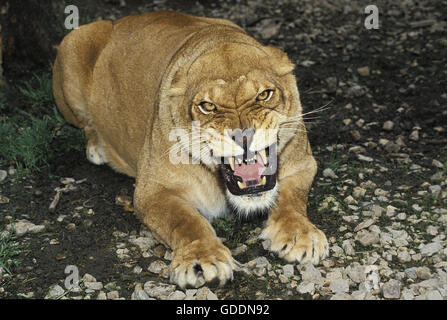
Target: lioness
{"points": [[129, 84]]}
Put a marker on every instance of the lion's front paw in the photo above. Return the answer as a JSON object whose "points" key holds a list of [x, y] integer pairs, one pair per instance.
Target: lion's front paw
{"points": [[297, 240], [201, 262]]}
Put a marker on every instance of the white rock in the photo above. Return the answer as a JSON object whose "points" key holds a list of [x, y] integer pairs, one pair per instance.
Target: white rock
{"points": [[266, 244], [404, 256], [122, 253], [336, 251], [414, 136], [333, 275], [329, 173], [169, 255], [113, 295], [358, 192], [416, 207], [88, 278], [423, 273], [144, 243], [101, 296], [177, 295], [3, 175], [435, 189], [260, 262], [432, 230], [137, 270], [239, 250], [433, 295], [158, 290], [139, 294], [357, 273], [390, 211], [157, 266], [411, 273], [401, 216], [339, 286], [288, 270], [348, 247], [358, 295], [367, 238], [350, 200], [190, 294], [364, 158], [311, 274], [407, 294], [436, 163], [391, 289], [438, 176], [363, 225], [341, 296], [306, 287], [372, 277], [363, 71], [55, 292], [388, 125], [21, 227], [430, 249], [93, 285], [204, 293]]}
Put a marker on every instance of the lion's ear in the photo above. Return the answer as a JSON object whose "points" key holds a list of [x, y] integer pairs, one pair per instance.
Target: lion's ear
{"points": [[177, 84], [280, 62]]}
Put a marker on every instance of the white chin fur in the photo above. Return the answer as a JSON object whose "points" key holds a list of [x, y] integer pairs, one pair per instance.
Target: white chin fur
{"points": [[246, 205]]}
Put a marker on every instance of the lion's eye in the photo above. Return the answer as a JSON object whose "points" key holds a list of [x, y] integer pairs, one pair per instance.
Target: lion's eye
{"points": [[207, 107], [265, 95]]}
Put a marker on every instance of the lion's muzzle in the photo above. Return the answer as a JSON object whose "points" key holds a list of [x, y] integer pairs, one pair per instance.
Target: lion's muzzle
{"points": [[250, 173]]}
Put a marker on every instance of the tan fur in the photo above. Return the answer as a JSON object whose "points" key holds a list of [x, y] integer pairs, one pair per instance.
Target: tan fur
{"points": [[128, 83]]}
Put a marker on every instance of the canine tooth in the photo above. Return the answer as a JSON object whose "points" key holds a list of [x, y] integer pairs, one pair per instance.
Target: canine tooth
{"points": [[239, 160], [241, 185], [231, 160], [263, 181], [263, 155]]}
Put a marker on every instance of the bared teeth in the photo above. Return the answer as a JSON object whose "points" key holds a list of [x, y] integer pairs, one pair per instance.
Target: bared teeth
{"points": [[263, 155], [231, 161], [239, 160], [241, 185], [263, 181]]}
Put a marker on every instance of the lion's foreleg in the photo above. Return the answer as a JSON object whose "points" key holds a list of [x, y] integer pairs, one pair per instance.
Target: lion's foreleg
{"points": [[291, 233], [199, 256]]}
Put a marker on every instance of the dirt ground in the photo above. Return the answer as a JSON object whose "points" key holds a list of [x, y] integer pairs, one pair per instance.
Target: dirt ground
{"points": [[396, 73]]}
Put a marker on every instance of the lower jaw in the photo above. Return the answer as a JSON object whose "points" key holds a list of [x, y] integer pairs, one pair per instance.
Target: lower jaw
{"points": [[257, 185], [253, 205], [254, 191]]}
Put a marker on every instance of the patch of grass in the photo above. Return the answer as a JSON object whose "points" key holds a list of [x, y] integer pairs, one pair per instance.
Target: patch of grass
{"points": [[335, 161], [30, 145], [430, 201], [41, 94], [28, 148], [9, 250], [226, 226]]}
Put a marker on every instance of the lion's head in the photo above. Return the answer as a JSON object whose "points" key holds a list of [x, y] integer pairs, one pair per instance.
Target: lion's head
{"points": [[242, 105]]}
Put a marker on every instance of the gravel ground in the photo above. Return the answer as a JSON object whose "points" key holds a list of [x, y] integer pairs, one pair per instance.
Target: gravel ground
{"points": [[380, 194]]}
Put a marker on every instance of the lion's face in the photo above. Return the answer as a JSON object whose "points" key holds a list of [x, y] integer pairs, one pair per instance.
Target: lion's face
{"points": [[245, 114]]}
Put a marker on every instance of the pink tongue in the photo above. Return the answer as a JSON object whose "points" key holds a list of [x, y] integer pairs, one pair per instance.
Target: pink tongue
{"points": [[249, 172]]}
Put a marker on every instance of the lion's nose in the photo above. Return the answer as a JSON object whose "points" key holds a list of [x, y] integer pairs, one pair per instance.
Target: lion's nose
{"points": [[243, 138]]}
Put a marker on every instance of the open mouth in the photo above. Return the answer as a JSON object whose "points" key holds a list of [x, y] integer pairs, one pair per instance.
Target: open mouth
{"points": [[251, 173]]}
